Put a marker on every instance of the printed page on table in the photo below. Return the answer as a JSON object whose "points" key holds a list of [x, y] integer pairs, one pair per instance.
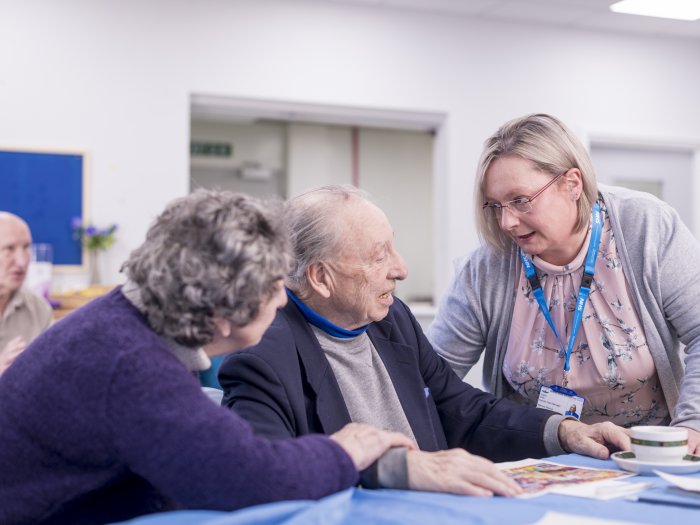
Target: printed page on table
{"points": [[537, 477]]}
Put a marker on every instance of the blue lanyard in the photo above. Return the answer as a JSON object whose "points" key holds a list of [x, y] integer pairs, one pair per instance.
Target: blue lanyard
{"points": [[583, 291]]}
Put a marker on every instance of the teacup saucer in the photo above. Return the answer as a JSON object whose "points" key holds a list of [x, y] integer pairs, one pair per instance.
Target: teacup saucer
{"points": [[628, 461]]}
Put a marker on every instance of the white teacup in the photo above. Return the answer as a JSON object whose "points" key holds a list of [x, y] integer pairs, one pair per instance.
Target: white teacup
{"points": [[659, 444]]}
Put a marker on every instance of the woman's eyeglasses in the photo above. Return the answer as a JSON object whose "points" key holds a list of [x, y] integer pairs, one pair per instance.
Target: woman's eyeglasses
{"points": [[521, 204]]}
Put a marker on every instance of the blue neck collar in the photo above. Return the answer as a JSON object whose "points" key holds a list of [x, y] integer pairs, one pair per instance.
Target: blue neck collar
{"points": [[324, 324]]}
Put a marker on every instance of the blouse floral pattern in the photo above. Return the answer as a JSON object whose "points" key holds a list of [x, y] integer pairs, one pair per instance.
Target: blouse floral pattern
{"points": [[611, 366]]}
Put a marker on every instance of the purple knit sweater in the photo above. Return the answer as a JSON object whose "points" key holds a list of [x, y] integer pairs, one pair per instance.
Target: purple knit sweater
{"points": [[100, 422]]}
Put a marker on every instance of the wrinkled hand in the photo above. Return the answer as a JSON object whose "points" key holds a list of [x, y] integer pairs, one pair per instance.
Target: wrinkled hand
{"points": [[365, 443], [458, 472], [12, 349], [693, 441], [596, 440]]}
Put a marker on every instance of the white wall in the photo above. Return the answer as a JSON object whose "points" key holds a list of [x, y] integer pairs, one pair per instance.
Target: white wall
{"points": [[114, 79]]}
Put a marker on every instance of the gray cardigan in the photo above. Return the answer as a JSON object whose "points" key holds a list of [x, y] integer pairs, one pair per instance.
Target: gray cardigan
{"points": [[661, 261]]}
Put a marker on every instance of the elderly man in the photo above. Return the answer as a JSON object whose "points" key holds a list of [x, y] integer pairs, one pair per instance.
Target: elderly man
{"points": [[344, 349], [23, 315]]}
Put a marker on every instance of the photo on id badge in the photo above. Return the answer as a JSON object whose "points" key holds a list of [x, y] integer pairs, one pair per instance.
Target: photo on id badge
{"points": [[561, 400]]}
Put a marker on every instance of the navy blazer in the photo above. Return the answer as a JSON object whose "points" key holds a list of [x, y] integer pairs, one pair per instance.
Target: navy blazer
{"points": [[285, 387]]}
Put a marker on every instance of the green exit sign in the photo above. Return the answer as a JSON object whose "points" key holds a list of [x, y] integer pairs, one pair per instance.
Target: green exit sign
{"points": [[210, 149]]}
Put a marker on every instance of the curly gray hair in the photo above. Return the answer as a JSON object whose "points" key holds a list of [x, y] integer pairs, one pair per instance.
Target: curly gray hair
{"points": [[209, 254], [315, 234]]}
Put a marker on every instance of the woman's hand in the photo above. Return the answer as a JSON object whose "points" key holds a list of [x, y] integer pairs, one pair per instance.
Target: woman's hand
{"points": [[693, 441], [365, 443]]}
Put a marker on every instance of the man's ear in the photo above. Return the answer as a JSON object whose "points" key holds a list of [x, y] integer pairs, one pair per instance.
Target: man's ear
{"points": [[223, 326], [319, 279]]}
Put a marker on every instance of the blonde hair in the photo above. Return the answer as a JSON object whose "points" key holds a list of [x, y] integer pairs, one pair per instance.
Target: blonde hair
{"points": [[552, 148]]}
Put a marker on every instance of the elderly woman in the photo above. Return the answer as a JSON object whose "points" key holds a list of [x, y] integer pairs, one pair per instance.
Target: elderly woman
{"points": [[580, 286], [102, 418]]}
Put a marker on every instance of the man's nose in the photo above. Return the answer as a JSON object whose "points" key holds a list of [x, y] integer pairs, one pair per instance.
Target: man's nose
{"points": [[22, 257], [398, 270]]}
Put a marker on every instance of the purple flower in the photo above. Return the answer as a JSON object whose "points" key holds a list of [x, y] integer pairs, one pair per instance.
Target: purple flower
{"points": [[92, 237], [76, 223]]}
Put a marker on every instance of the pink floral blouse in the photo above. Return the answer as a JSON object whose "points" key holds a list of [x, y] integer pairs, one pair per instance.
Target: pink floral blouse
{"points": [[611, 366]]}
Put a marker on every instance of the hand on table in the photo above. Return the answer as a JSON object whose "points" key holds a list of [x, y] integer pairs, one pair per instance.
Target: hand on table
{"points": [[12, 349], [596, 440], [693, 441], [458, 472], [365, 443]]}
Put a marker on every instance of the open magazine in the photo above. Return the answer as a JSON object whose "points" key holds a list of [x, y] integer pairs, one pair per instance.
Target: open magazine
{"points": [[537, 477]]}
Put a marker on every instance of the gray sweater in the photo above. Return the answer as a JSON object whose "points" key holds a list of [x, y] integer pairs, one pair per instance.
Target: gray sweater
{"points": [[661, 261]]}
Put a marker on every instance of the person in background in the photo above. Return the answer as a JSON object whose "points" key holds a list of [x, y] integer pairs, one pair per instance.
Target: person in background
{"points": [[102, 418], [23, 314], [577, 285], [345, 349]]}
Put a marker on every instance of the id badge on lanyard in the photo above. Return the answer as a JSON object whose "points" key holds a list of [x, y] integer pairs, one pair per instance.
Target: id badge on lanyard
{"points": [[556, 397], [560, 399]]}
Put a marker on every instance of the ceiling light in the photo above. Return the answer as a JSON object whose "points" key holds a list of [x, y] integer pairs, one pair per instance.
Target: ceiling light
{"points": [[676, 9]]}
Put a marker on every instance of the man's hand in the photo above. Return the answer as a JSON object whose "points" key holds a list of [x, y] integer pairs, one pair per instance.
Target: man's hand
{"points": [[12, 349], [458, 472], [365, 443], [596, 440]]}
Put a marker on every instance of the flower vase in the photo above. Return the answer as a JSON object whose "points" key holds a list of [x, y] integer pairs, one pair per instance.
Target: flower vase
{"points": [[94, 268]]}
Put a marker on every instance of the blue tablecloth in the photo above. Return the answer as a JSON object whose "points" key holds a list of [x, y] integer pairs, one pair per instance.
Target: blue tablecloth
{"points": [[401, 507]]}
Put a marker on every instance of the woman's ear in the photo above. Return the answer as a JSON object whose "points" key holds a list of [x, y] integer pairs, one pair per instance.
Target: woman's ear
{"points": [[319, 279], [574, 183], [222, 326]]}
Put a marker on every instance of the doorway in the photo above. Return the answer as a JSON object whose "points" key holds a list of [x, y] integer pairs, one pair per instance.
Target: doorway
{"points": [[275, 149], [664, 172]]}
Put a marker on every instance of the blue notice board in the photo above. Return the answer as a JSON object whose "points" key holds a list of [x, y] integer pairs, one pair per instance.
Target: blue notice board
{"points": [[46, 190]]}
